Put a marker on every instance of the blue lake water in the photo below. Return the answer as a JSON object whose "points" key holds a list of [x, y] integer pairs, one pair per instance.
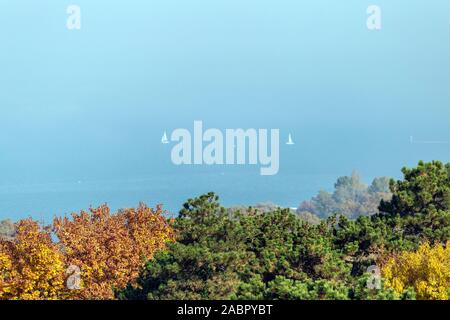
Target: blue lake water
{"points": [[82, 112], [45, 200]]}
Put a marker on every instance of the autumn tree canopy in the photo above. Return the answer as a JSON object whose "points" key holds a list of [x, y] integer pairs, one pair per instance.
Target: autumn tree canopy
{"points": [[263, 252], [31, 266], [426, 270], [110, 248], [107, 249]]}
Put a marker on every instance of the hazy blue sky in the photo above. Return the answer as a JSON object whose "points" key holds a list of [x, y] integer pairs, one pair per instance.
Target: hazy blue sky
{"points": [[93, 103]]}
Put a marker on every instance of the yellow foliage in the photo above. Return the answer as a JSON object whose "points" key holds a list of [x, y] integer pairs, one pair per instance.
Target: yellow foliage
{"points": [[426, 270], [31, 267], [5, 271]]}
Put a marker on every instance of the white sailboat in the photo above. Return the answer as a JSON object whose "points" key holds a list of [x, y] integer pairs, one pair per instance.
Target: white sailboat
{"points": [[290, 142], [164, 139]]}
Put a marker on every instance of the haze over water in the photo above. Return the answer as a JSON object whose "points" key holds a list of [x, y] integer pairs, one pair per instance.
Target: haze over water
{"points": [[82, 112]]}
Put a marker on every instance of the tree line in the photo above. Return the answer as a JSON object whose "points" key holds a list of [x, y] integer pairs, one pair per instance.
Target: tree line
{"points": [[213, 252]]}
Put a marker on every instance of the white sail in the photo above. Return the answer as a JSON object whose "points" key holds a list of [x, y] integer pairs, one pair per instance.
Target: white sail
{"points": [[290, 142], [164, 139]]}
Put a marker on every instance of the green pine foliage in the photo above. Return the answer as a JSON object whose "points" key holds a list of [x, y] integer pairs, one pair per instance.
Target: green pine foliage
{"points": [[248, 253]]}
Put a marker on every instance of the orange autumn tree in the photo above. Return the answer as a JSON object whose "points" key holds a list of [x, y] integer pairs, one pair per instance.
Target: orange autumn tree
{"points": [[110, 249], [31, 266]]}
